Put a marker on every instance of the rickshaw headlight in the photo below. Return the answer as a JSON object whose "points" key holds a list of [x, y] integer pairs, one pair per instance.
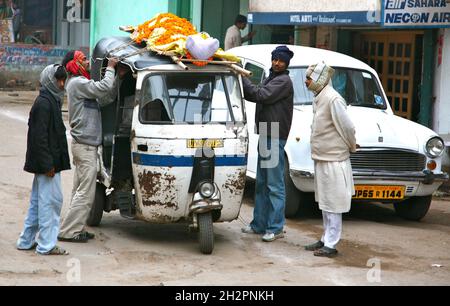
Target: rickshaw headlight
{"points": [[435, 147], [207, 190]]}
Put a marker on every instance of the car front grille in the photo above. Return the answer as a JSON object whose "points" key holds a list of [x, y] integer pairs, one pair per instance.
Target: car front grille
{"points": [[387, 160]]}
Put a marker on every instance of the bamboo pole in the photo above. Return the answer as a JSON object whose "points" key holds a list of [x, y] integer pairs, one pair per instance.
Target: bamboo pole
{"points": [[206, 61], [240, 70], [179, 62]]}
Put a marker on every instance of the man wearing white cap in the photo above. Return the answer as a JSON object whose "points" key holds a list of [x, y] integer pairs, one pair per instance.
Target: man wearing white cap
{"points": [[332, 140]]}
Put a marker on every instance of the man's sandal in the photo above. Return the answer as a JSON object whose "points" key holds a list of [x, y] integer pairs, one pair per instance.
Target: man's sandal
{"points": [[57, 251]]}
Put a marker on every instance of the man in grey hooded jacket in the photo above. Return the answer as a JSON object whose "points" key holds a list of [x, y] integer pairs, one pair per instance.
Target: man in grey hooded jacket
{"points": [[85, 98]]}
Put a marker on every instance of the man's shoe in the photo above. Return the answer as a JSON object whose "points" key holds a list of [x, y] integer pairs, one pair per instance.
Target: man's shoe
{"points": [[88, 235], [315, 246], [34, 246], [269, 237], [80, 238], [248, 230], [326, 252]]}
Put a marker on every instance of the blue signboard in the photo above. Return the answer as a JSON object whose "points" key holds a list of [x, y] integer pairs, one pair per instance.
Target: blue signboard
{"points": [[416, 13], [363, 18]]}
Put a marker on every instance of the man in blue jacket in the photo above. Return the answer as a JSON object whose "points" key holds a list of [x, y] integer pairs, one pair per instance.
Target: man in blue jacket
{"points": [[47, 155], [274, 99]]}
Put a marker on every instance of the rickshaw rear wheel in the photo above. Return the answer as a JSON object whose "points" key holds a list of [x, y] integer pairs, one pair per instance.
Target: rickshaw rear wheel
{"points": [[96, 213], [205, 233]]}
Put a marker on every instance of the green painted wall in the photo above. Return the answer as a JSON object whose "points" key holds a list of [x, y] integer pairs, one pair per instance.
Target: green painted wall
{"points": [[108, 15], [426, 89], [218, 16]]}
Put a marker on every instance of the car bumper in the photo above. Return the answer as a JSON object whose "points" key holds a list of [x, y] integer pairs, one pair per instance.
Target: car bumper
{"points": [[417, 183], [422, 177]]}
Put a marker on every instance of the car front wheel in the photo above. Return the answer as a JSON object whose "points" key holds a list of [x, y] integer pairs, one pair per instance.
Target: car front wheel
{"points": [[414, 208], [292, 193], [297, 201]]}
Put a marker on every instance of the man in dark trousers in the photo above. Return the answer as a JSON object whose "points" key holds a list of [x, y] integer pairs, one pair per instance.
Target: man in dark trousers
{"points": [[47, 155], [274, 110]]}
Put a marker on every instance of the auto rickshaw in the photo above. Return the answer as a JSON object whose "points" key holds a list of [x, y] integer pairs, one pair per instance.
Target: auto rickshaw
{"points": [[175, 142]]}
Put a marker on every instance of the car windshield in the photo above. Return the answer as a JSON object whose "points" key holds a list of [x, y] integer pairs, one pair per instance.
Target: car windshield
{"points": [[191, 98], [357, 87]]}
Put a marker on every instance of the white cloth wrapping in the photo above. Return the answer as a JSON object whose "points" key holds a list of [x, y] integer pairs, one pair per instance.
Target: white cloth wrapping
{"points": [[201, 48]]}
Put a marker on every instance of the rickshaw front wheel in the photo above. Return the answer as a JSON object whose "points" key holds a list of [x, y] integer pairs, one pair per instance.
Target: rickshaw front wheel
{"points": [[96, 213], [206, 233]]}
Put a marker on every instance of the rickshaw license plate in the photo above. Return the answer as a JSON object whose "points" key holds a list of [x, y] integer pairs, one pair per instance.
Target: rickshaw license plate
{"points": [[205, 143], [379, 192]]}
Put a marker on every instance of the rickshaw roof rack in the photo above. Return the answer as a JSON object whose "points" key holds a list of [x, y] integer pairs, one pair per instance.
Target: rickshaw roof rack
{"points": [[130, 53], [138, 57]]}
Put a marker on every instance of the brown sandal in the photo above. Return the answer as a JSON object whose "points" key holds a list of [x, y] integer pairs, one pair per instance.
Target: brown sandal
{"points": [[58, 251]]}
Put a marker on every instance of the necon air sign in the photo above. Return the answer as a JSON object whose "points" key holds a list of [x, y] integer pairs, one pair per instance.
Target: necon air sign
{"points": [[416, 13]]}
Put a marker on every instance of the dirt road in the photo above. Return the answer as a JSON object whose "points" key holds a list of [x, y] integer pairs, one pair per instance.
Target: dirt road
{"points": [[134, 253]]}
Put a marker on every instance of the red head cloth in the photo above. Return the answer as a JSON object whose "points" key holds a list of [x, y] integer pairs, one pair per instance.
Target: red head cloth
{"points": [[75, 66]]}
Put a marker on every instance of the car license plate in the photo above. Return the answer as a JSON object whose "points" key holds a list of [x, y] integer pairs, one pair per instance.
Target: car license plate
{"points": [[379, 192], [204, 143]]}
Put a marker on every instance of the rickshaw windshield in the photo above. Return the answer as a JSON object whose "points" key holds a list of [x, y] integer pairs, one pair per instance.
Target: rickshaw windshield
{"points": [[191, 98]]}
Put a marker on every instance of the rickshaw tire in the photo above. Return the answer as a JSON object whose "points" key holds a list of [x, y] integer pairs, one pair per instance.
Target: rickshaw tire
{"points": [[206, 233], [292, 203], [96, 213]]}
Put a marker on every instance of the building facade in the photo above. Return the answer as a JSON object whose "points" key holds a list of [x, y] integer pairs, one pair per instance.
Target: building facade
{"points": [[406, 42]]}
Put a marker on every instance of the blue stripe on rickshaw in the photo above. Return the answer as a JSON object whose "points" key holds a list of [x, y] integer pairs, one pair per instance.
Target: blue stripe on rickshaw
{"points": [[184, 161]]}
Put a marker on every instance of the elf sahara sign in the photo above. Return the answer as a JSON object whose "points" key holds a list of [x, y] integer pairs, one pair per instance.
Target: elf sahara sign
{"points": [[416, 13]]}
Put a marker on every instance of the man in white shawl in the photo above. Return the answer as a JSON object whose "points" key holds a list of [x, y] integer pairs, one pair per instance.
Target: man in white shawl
{"points": [[332, 140]]}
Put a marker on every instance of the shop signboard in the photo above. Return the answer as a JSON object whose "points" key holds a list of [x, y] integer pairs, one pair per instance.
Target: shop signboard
{"points": [[415, 14]]}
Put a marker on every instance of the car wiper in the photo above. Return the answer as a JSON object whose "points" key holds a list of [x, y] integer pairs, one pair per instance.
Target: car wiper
{"points": [[370, 105], [302, 103]]}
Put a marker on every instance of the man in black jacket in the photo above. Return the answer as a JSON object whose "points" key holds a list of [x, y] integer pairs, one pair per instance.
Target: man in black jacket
{"points": [[273, 118], [47, 155]]}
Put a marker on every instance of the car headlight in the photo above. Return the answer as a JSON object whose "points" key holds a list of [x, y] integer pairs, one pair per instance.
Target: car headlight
{"points": [[207, 190], [435, 147]]}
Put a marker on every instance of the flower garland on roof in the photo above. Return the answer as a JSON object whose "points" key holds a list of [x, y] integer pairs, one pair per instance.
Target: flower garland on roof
{"points": [[163, 29], [167, 34]]}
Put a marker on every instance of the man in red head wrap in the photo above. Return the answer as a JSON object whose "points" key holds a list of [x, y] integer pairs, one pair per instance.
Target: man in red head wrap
{"points": [[79, 65], [85, 97]]}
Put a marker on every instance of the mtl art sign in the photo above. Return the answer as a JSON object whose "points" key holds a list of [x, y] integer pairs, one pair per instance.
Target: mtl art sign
{"points": [[416, 13]]}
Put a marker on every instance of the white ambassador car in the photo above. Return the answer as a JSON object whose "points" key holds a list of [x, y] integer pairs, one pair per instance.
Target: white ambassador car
{"points": [[399, 161]]}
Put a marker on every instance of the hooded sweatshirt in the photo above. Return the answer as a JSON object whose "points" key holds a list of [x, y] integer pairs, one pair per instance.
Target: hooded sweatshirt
{"points": [[48, 81], [46, 140]]}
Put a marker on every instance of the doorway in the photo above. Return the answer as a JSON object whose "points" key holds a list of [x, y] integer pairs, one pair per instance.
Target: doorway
{"points": [[397, 58]]}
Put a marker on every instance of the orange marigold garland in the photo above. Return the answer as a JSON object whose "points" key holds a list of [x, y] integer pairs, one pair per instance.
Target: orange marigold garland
{"points": [[167, 34], [174, 26], [199, 64]]}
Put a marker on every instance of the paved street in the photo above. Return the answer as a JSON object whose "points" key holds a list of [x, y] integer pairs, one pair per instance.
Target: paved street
{"points": [[135, 253]]}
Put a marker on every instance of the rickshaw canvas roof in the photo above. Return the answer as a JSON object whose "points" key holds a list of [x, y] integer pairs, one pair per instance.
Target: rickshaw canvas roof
{"points": [[122, 47]]}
